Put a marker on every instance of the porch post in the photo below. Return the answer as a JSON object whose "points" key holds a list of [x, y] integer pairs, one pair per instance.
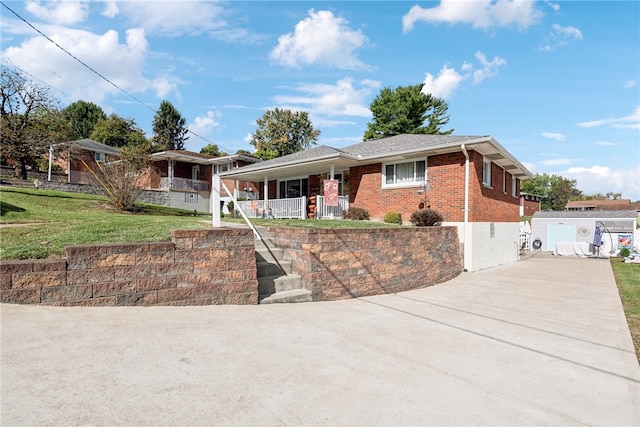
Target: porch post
{"points": [[170, 166], [265, 188], [215, 201], [236, 183], [332, 171]]}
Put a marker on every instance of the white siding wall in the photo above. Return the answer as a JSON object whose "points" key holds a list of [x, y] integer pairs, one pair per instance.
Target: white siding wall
{"points": [[487, 251], [200, 201]]}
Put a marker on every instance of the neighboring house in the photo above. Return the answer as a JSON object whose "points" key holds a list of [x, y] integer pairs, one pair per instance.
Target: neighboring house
{"points": [[575, 229], [187, 176], [472, 181], [74, 158], [602, 205], [529, 203]]}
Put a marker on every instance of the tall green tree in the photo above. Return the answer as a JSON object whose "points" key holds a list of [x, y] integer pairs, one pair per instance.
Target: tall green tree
{"points": [[406, 109], [556, 190], [169, 128], [118, 132], [30, 121], [83, 117], [282, 132], [212, 150]]}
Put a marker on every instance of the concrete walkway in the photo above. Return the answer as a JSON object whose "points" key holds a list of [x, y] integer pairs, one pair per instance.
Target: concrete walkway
{"points": [[541, 342]]}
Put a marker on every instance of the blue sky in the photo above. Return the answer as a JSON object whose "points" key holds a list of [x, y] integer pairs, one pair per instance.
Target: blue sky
{"points": [[555, 82]]}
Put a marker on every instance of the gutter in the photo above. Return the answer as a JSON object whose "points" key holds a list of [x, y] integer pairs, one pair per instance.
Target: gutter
{"points": [[466, 252]]}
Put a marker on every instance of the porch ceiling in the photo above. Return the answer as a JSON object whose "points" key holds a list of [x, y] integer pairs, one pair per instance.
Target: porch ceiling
{"points": [[296, 170]]}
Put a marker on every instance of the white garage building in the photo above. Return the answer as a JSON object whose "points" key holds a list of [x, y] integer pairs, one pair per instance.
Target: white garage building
{"points": [[572, 232]]}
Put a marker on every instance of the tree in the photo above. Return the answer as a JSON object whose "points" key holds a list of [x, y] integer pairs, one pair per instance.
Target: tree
{"points": [[598, 196], [212, 150], [29, 121], [556, 190], [117, 132], [406, 109], [83, 117], [282, 132], [169, 130], [120, 179]]}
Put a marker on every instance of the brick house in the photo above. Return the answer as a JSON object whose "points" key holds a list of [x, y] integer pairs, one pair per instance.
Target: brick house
{"points": [[74, 157], [472, 181], [529, 203], [187, 176]]}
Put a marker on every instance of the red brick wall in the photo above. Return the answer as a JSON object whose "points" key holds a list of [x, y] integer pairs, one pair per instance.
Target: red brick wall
{"points": [[200, 267], [530, 207], [445, 174], [348, 263], [490, 204]]}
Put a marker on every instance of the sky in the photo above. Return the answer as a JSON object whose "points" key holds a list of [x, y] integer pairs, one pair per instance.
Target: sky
{"points": [[554, 82]]}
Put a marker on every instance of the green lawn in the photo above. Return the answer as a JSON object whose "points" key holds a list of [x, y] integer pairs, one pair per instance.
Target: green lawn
{"points": [[52, 220], [628, 279]]}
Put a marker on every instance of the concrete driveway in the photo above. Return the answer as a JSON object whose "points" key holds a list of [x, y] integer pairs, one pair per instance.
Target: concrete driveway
{"points": [[539, 342]]}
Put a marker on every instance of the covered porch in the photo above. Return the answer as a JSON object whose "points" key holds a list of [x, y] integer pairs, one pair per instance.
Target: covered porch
{"points": [[292, 187]]}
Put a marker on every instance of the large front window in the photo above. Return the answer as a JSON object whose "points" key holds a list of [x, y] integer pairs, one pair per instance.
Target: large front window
{"points": [[294, 188], [406, 173]]}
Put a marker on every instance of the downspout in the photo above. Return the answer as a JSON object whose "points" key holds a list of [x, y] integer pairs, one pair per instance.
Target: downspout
{"points": [[465, 232]]}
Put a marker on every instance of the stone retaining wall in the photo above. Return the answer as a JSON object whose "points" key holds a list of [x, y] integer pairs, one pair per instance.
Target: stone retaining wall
{"points": [[348, 263], [199, 267]]}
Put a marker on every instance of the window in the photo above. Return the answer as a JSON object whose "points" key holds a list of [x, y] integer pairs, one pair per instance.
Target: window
{"points": [[401, 174], [486, 172], [100, 157], [504, 181], [514, 186], [294, 188]]}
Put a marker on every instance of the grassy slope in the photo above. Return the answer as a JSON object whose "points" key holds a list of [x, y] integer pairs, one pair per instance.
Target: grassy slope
{"points": [[628, 280], [61, 219]]}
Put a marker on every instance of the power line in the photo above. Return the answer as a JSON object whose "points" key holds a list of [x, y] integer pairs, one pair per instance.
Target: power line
{"points": [[96, 72]]}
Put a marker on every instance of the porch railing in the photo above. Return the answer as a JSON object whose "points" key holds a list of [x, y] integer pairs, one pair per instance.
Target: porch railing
{"points": [[183, 184], [333, 212], [275, 208]]}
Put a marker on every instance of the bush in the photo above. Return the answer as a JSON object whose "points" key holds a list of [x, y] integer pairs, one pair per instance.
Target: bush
{"points": [[425, 218], [625, 252], [393, 218], [357, 214]]}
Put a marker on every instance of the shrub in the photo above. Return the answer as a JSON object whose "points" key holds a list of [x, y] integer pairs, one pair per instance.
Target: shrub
{"points": [[625, 252], [392, 218], [425, 218], [357, 214]]}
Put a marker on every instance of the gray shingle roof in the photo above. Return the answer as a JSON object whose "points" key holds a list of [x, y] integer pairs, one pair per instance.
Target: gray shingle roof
{"points": [[586, 214], [399, 144], [96, 147]]}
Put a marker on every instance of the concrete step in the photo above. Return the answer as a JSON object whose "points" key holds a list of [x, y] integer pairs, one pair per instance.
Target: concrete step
{"points": [[266, 268], [281, 283], [292, 296]]}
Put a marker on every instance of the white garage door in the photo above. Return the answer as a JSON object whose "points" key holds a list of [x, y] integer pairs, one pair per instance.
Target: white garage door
{"points": [[559, 232]]}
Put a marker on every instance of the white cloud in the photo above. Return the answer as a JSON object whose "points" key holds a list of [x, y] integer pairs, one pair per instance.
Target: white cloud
{"points": [[483, 14], [632, 121], [121, 63], [558, 161], [169, 18], [554, 6], [530, 166], [489, 68], [448, 80], [321, 38], [64, 12], [606, 143], [202, 125], [444, 84], [345, 98], [552, 135], [601, 179], [110, 9], [560, 36], [630, 84]]}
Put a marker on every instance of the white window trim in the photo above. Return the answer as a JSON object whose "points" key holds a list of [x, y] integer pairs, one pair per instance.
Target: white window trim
{"points": [[514, 187], [504, 181], [405, 184], [486, 163], [99, 157], [300, 178]]}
